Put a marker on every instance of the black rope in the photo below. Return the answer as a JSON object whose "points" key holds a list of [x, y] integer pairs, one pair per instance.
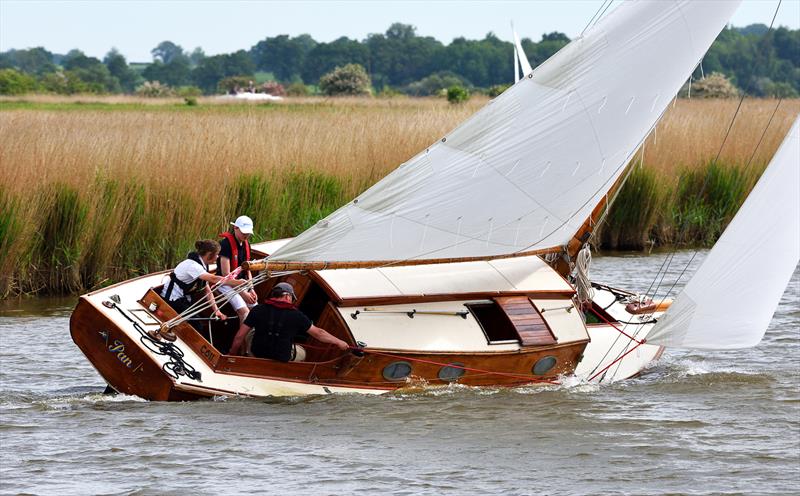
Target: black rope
{"points": [[176, 366], [764, 133]]}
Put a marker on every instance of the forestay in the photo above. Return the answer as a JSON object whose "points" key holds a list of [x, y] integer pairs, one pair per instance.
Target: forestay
{"points": [[731, 298], [525, 172]]}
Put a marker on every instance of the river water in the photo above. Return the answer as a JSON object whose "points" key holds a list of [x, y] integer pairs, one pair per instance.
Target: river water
{"points": [[695, 423]]}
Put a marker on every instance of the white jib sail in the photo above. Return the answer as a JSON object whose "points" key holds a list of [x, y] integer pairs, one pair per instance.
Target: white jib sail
{"points": [[526, 171], [730, 300]]}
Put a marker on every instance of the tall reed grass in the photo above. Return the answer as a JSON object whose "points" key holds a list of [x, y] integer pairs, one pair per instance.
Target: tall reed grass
{"points": [[101, 191]]}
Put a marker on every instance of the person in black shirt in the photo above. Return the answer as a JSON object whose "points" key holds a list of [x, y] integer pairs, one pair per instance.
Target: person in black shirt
{"points": [[275, 324]]}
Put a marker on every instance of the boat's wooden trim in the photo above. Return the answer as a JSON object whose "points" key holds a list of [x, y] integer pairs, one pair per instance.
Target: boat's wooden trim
{"points": [[128, 281], [533, 330], [500, 368], [428, 298], [327, 288]]}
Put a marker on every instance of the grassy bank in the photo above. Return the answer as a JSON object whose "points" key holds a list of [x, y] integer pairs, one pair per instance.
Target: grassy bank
{"points": [[95, 191]]}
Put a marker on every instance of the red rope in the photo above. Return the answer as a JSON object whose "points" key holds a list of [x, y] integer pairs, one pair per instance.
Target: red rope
{"points": [[618, 329], [638, 344]]}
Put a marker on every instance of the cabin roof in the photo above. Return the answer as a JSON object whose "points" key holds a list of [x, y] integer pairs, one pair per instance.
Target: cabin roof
{"points": [[527, 274]]}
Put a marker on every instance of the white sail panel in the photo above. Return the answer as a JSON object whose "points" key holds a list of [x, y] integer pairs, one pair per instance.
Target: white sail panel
{"points": [[520, 58], [526, 171], [730, 300]]}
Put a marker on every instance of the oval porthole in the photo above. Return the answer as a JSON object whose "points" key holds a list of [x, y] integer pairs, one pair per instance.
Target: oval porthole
{"points": [[544, 365], [451, 371], [396, 371]]}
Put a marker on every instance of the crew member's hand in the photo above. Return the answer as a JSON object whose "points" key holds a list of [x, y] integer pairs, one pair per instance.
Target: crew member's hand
{"points": [[219, 314], [342, 345], [248, 297]]}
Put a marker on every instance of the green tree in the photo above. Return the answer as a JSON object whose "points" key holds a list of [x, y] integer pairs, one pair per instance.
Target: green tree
{"points": [[167, 52], [281, 55], [174, 73], [118, 67], [399, 57], [324, 57], [36, 61], [76, 59], [349, 80], [13, 82], [212, 70], [64, 83], [196, 56]]}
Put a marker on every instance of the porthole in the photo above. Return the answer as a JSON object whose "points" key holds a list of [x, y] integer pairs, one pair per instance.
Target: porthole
{"points": [[451, 372], [396, 371], [544, 365]]}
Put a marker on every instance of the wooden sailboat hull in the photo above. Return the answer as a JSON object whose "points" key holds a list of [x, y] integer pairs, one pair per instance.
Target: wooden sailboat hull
{"points": [[111, 327]]}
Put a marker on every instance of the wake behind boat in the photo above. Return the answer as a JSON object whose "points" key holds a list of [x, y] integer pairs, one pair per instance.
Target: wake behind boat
{"points": [[467, 263]]}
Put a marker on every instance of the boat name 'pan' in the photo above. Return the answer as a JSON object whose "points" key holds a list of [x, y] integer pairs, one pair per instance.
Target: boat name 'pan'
{"points": [[119, 349]]}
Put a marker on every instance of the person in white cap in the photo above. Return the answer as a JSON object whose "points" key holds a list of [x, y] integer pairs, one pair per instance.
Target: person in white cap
{"points": [[235, 250]]}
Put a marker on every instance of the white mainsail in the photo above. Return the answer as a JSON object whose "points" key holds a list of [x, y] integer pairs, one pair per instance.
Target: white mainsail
{"points": [[730, 300], [526, 171]]}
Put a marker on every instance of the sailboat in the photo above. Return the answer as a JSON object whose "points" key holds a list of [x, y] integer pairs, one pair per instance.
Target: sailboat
{"points": [[466, 265]]}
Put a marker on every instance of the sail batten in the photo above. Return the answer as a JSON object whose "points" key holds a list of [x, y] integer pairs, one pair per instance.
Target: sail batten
{"points": [[526, 171]]}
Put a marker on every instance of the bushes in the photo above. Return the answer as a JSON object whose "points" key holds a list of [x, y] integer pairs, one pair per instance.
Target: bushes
{"points": [[715, 85], [457, 94], [350, 80], [273, 88], [154, 89], [435, 83], [16, 83], [297, 89], [497, 90]]}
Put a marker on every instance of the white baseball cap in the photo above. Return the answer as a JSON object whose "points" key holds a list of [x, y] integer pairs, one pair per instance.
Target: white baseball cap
{"points": [[244, 223]]}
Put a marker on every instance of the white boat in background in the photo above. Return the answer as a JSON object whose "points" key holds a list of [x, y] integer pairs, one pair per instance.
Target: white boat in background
{"points": [[464, 265], [254, 97]]}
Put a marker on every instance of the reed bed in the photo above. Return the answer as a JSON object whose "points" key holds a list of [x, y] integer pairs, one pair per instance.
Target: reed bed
{"points": [[97, 190]]}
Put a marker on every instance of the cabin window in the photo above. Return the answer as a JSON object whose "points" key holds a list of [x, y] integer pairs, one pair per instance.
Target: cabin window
{"points": [[544, 365], [451, 372], [397, 371], [494, 322]]}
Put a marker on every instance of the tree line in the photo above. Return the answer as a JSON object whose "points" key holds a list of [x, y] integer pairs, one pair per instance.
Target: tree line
{"points": [[756, 61]]}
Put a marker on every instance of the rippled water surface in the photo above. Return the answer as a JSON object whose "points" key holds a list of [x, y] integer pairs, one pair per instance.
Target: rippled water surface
{"points": [[695, 423]]}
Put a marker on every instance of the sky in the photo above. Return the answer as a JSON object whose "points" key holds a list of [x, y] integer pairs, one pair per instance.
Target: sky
{"points": [[136, 27]]}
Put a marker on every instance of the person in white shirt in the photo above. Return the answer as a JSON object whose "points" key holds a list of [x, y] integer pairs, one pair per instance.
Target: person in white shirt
{"points": [[183, 285]]}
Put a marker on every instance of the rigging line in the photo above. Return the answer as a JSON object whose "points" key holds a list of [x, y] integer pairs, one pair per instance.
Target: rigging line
{"points": [[750, 81], [602, 13], [647, 292], [593, 17], [704, 186], [663, 275], [763, 133]]}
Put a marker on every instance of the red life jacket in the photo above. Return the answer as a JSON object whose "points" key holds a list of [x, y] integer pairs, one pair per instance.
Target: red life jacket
{"points": [[235, 249]]}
